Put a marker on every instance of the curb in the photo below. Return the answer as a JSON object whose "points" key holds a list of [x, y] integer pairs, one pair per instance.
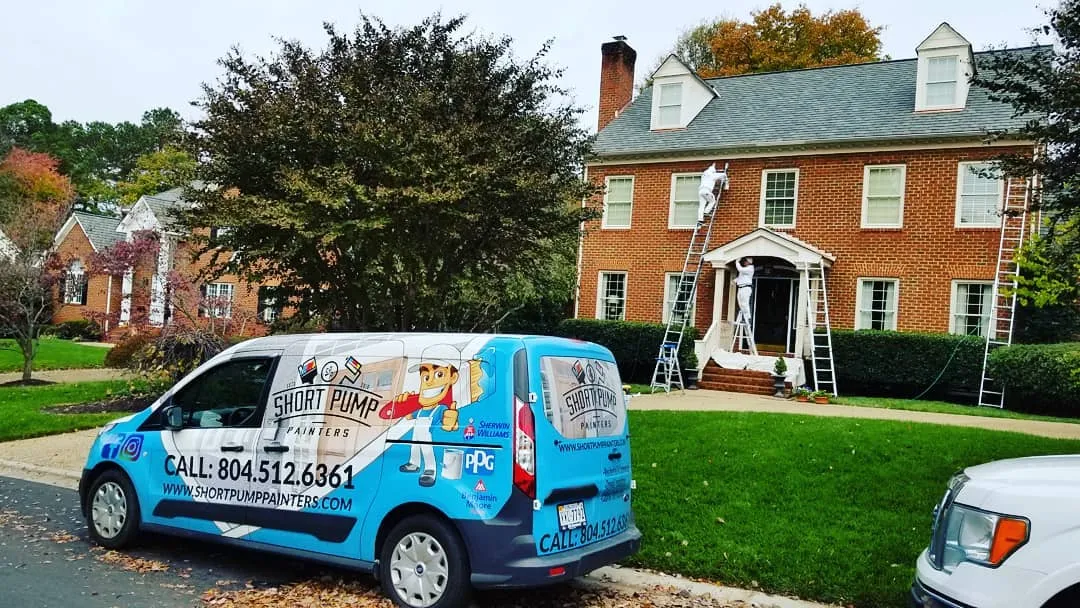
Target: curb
{"points": [[33, 468], [631, 579]]}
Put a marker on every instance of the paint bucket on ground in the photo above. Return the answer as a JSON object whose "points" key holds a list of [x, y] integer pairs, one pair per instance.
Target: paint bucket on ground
{"points": [[451, 464]]}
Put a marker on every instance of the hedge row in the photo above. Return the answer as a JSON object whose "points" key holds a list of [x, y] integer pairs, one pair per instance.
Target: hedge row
{"points": [[903, 364], [1040, 377], [635, 345]]}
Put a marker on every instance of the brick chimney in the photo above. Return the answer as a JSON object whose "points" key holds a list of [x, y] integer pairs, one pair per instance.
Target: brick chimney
{"points": [[616, 79]]}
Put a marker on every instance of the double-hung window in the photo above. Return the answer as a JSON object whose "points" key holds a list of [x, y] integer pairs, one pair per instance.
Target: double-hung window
{"points": [[971, 307], [779, 196], [876, 304], [618, 202], [883, 196], [611, 296], [978, 198], [677, 297], [683, 212]]}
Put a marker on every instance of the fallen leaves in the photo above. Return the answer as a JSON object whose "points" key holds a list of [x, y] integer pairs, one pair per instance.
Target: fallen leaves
{"points": [[63, 537], [323, 593], [132, 563]]}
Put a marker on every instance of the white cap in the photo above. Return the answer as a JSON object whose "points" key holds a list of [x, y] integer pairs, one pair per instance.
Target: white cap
{"points": [[443, 355]]}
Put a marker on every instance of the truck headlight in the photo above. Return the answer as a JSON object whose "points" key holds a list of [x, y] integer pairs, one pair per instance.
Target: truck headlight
{"points": [[981, 537]]}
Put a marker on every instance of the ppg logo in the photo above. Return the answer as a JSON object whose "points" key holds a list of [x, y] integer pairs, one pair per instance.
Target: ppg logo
{"points": [[479, 462]]}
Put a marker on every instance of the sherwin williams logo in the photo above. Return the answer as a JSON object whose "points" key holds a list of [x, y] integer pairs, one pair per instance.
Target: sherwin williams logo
{"points": [[127, 447]]}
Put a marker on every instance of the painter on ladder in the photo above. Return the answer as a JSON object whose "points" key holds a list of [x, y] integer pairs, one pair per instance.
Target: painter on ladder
{"points": [[706, 195], [744, 282]]}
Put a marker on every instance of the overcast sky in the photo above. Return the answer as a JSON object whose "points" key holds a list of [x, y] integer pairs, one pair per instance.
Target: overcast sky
{"points": [[113, 59]]}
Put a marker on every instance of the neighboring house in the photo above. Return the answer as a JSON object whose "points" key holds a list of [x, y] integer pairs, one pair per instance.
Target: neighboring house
{"points": [[867, 169], [144, 291]]}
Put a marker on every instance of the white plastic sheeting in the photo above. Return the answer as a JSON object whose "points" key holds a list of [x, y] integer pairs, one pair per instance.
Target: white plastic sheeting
{"points": [[796, 372]]}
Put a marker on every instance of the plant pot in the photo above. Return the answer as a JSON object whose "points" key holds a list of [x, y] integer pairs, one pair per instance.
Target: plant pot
{"points": [[778, 386], [802, 398], [822, 400], [691, 379]]}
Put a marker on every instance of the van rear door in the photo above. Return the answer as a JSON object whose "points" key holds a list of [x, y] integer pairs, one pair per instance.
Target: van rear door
{"points": [[582, 449]]}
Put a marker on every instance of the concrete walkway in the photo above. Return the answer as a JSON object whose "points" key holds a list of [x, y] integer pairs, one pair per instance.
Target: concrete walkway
{"points": [[70, 375], [717, 401]]}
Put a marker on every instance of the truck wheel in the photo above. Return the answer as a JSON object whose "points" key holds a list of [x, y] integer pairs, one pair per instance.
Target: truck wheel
{"points": [[1066, 599], [112, 512], [423, 564]]}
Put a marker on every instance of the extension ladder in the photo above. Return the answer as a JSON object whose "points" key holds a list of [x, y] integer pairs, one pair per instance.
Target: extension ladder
{"points": [[667, 372], [999, 329], [817, 309]]}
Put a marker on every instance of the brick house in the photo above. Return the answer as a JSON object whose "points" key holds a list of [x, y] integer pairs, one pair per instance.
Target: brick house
{"points": [[227, 300], [866, 169]]}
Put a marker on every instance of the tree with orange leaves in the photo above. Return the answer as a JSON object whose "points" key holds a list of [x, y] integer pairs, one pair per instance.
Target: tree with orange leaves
{"points": [[34, 200], [775, 40]]}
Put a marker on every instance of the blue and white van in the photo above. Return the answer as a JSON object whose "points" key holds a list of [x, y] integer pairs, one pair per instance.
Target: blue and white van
{"points": [[439, 462]]}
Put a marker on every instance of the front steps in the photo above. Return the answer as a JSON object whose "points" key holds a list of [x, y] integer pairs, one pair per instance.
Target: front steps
{"points": [[751, 382]]}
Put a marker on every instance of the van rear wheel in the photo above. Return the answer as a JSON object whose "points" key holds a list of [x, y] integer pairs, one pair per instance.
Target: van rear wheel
{"points": [[423, 564]]}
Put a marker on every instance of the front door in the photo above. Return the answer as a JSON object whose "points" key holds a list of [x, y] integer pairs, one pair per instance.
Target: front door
{"points": [[773, 304]]}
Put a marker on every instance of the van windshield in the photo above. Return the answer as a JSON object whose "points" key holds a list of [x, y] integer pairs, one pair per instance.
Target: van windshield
{"points": [[583, 397]]}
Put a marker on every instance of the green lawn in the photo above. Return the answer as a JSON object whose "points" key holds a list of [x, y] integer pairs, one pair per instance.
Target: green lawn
{"points": [[942, 407], [825, 509], [21, 418], [52, 354]]}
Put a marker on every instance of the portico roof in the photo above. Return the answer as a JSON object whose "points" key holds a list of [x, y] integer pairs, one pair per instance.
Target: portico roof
{"points": [[763, 242]]}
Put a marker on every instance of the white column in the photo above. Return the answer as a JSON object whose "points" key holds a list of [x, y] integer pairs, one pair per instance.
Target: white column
{"points": [[125, 296], [802, 322], [719, 281], [157, 286]]}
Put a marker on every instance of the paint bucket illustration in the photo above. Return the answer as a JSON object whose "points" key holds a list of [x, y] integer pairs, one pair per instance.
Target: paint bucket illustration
{"points": [[451, 464]]}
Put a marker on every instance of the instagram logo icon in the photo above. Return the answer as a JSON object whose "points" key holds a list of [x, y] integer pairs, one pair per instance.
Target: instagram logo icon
{"points": [[132, 448]]}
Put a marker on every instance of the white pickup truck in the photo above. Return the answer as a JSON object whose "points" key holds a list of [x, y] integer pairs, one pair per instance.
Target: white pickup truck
{"points": [[1006, 534]]}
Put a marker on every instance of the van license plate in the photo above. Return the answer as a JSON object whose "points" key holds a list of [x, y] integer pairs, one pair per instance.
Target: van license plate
{"points": [[571, 515]]}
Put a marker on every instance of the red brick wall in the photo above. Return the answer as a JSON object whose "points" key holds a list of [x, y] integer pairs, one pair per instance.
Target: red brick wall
{"points": [[77, 247], [926, 255]]}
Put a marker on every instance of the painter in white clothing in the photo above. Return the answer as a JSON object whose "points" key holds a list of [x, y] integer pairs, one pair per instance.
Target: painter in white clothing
{"points": [[744, 284], [706, 194]]}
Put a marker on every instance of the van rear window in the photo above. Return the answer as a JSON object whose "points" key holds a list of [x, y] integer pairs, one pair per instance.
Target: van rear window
{"points": [[583, 397]]}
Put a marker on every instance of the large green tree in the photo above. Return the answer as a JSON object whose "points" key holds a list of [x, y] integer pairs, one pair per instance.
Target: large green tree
{"points": [[415, 178], [1043, 84]]}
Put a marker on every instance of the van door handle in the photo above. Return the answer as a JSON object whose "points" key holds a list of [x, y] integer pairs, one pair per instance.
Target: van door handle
{"points": [[275, 447], [614, 456], [232, 448]]}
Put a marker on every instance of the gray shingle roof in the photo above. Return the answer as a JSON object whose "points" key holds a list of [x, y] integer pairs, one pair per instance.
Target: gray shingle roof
{"points": [[852, 104], [100, 229], [164, 204]]}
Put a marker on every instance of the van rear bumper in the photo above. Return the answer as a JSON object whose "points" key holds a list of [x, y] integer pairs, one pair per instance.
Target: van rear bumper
{"points": [[535, 570]]}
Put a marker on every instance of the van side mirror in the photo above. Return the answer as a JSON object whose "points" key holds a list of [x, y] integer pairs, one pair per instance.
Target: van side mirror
{"points": [[173, 417]]}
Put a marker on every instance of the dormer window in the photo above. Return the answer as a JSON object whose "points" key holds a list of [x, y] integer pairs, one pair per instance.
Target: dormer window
{"points": [[670, 106], [941, 76], [944, 67]]}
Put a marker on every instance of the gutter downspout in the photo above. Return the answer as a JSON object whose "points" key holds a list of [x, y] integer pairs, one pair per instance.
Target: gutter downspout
{"points": [[580, 260]]}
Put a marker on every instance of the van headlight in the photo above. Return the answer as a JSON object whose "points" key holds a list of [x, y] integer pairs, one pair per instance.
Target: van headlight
{"points": [[105, 429], [981, 537]]}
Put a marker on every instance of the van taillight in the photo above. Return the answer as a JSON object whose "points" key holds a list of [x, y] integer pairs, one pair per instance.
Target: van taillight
{"points": [[524, 448]]}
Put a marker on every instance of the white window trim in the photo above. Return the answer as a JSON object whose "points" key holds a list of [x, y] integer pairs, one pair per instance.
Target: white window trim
{"points": [[761, 209], [866, 191], [599, 292], [671, 204], [955, 80], [859, 300], [607, 188], [222, 311], [73, 284], [956, 291], [665, 312], [961, 168], [660, 105]]}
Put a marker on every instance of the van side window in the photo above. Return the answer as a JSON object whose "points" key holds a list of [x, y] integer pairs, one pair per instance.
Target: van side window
{"points": [[583, 397], [228, 395]]}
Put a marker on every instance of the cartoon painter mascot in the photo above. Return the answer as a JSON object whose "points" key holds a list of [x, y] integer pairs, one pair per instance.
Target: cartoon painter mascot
{"points": [[433, 405]]}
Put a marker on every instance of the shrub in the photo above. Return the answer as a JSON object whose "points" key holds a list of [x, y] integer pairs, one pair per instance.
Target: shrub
{"points": [[903, 364], [1041, 378], [634, 344], [79, 329], [180, 350], [124, 353]]}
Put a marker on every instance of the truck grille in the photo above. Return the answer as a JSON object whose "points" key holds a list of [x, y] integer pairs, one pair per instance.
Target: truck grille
{"points": [[936, 551]]}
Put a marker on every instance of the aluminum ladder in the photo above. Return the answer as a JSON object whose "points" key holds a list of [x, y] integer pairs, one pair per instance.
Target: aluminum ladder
{"points": [[667, 372], [999, 329], [821, 348], [743, 338]]}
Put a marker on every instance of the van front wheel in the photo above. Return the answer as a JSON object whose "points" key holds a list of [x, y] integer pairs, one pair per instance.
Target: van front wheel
{"points": [[112, 511], [423, 564]]}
